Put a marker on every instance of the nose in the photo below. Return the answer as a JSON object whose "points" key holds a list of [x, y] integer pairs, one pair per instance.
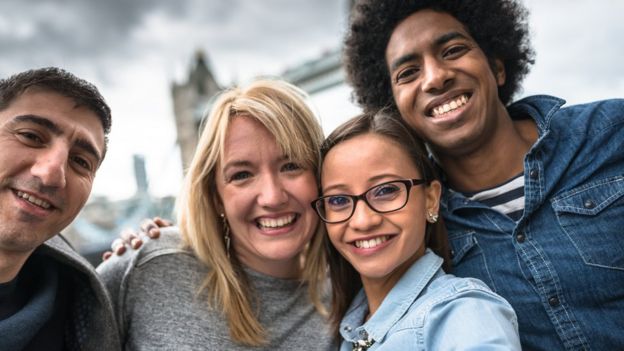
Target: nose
{"points": [[272, 192], [436, 76], [50, 167], [364, 218]]}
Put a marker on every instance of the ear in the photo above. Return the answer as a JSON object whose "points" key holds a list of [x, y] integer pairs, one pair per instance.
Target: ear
{"points": [[499, 72], [217, 203], [432, 194]]}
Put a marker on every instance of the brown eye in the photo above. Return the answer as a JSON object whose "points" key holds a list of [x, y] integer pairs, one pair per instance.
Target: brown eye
{"points": [[30, 138], [406, 75], [455, 51]]}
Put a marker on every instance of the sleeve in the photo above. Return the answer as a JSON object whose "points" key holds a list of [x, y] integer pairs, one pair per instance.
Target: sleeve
{"points": [[473, 319]]}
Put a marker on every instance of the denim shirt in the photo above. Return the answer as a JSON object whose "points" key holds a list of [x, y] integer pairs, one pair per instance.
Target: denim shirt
{"points": [[430, 310], [561, 266]]}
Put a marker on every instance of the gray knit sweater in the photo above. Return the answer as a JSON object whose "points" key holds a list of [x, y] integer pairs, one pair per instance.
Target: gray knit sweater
{"points": [[154, 291]]}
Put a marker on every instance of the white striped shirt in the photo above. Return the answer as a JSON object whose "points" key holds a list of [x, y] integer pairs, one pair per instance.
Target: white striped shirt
{"points": [[507, 198]]}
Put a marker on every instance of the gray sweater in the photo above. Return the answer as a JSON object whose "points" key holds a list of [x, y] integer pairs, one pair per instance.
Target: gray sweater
{"points": [[154, 290]]}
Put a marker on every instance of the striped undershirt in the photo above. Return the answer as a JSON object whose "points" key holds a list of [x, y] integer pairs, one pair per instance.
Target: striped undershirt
{"points": [[507, 198]]}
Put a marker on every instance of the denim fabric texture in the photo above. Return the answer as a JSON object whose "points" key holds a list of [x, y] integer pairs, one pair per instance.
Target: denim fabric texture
{"points": [[431, 310], [561, 266]]}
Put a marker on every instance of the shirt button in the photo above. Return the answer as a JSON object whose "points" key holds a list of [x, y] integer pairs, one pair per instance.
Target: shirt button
{"points": [[589, 204], [363, 334], [520, 237], [347, 328], [533, 174], [452, 253], [553, 301]]}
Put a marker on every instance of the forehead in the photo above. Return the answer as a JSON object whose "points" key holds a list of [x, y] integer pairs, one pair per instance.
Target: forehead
{"points": [[246, 136], [422, 28], [371, 153], [75, 122]]}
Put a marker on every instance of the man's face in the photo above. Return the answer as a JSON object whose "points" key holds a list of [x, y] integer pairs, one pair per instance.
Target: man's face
{"points": [[50, 150], [442, 82]]}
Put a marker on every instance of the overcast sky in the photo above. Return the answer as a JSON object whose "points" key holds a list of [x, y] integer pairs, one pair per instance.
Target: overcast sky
{"points": [[134, 49]]}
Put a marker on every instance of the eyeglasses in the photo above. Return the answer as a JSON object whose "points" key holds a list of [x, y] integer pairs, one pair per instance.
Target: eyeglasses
{"points": [[382, 198]]}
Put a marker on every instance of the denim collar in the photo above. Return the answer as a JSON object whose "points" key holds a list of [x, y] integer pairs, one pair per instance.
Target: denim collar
{"points": [[395, 305], [540, 108]]}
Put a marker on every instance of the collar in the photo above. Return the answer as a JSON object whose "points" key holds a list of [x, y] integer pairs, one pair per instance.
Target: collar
{"points": [[394, 306], [540, 108]]}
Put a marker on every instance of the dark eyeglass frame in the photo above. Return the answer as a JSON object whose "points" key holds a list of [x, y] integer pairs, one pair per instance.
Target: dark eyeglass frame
{"points": [[409, 183]]}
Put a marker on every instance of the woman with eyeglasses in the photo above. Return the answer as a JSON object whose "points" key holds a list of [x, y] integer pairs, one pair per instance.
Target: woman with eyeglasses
{"points": [[387, 249]]}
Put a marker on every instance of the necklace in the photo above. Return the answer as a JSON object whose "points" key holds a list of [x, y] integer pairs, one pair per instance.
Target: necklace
{"points": [[363, 344]]}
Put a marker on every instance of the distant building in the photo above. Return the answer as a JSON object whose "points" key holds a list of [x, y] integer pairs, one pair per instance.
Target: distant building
{"points": [[102, 220], [190, 101]]}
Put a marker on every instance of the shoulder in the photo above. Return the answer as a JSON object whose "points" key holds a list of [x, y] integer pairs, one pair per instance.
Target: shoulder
{"points": [[162, 254], [456, 313], [600, 115], [448, 296]]}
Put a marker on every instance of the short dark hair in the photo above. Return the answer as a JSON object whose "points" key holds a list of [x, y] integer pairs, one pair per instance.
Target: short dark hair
{"points": [[345, 280], [59, 81], [498, 26]]}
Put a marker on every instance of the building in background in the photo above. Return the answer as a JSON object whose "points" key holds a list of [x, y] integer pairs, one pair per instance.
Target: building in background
{"points": [[191, 99], [102, 220]]}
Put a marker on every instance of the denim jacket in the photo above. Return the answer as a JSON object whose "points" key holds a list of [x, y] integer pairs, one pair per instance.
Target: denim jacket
{"points": [[561, 266], [430, 310]]}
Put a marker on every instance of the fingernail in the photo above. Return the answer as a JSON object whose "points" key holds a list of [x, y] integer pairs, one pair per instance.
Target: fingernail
{"points": [[136, 243]]}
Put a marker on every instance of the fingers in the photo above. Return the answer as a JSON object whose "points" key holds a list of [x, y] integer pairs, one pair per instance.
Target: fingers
{"points": [[118, 246], [127, 235], [151, 227]]}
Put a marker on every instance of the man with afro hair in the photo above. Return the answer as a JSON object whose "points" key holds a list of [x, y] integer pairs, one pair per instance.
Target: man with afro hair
{"points": [[534, 193]]}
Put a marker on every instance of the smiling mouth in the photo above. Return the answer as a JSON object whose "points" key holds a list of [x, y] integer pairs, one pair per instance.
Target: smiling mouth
{"points": [[449, 106], [274, 223], [371, 243], [33, 200]]}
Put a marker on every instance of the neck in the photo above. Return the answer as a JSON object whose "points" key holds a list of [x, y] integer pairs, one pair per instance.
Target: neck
{"points": [[283, 269], [11, 263], [376, 289], [494, 162]]}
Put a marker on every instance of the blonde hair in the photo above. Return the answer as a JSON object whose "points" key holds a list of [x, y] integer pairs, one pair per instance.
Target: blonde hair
{"points": [[281, 108]]}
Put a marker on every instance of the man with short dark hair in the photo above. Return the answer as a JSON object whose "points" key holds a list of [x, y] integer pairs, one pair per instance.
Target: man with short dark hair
{"points": [[534, 193], [53, 129]]}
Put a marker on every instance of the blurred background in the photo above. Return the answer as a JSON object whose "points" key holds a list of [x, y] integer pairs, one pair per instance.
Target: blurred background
{"points": [[159, 63]]}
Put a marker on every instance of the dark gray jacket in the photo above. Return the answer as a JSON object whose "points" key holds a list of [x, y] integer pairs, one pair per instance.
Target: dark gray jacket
{"points": [[93, 324]]}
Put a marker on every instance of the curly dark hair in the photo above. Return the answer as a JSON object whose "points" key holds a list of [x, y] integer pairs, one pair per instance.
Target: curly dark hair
{"points": [[498, 26], [59, 81]]}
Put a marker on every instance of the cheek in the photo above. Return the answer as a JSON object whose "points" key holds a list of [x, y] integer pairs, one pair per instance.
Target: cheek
{"points": [[306, 189], [334, 232]]}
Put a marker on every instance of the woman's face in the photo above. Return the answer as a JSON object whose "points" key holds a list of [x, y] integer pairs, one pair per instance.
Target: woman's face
{"points": [[266, 200], [380, 246]]}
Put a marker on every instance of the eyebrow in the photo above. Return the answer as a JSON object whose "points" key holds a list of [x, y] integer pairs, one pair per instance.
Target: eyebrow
{"points": [[444, 38], [378, 179], [56, 130]]}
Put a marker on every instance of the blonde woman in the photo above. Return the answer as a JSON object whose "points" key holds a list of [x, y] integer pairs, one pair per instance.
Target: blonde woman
{"points": [[245, 269]]}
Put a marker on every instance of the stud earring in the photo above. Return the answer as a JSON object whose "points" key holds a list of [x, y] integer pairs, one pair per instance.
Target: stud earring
{"points": [[432, 217], [226, 234]]}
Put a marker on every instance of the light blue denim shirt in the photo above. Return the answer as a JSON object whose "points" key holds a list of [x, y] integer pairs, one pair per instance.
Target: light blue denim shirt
{"points": [[431, 310], [561, 266]]}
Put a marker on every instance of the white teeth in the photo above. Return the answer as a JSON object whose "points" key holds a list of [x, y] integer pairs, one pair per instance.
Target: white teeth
{"points": [[33, 200], [368, 244], [450, 106], [276, 222]]}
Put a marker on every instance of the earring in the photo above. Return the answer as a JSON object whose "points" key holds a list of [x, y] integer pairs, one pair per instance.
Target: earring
{"points": [[432, 217], [226, 234]]}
